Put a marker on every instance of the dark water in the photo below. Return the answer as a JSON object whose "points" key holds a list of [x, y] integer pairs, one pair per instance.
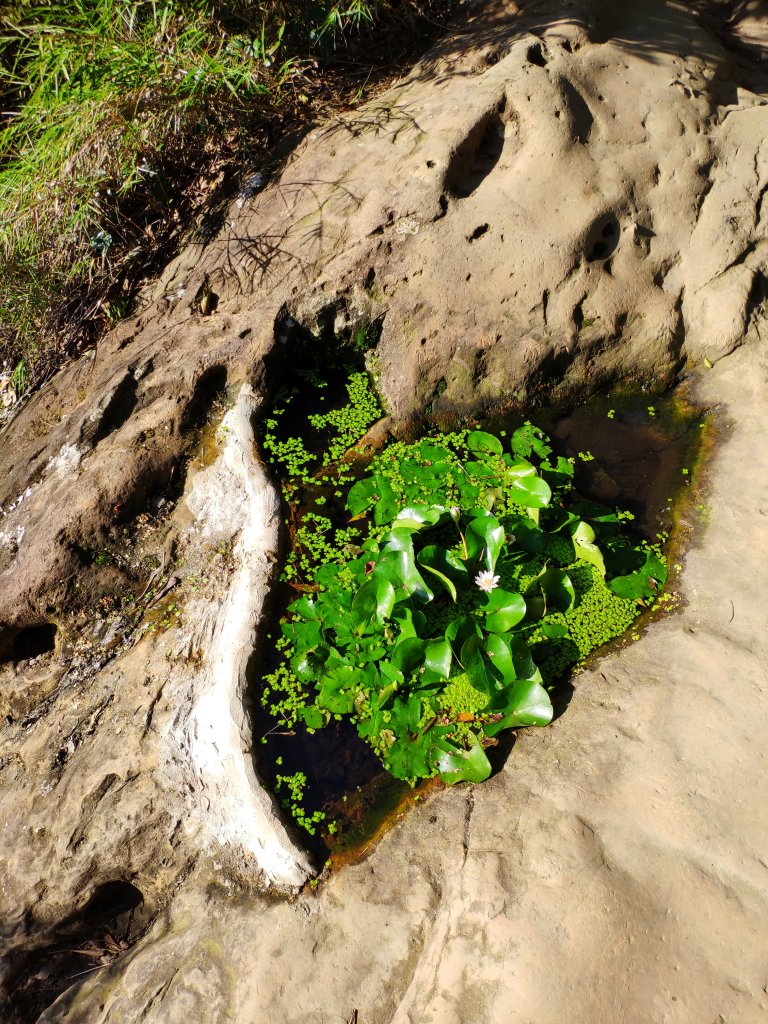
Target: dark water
{"points": [[639, 454]]}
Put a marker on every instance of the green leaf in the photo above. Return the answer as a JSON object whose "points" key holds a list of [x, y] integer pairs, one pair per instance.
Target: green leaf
{"points": [[594, 511], [485, 536], [490, 496], [638, 584], [457, 765], [386, 505], [583, 537], [408, 655], [305, 607], [523, 703], [444, 565], [555, 586], [411, 622], [473, 661], [528, 535], [338, 689], [429, 451], [497, 649], [374, 601], [400, 539], [397, 564], [437, 661], [308, 665], [363, 495], [525, 667], [480, 471], [525, 487], [313, 717], [416, 517], [503, 609], [305, 636], [479, 441], [529, 439], [409, 758], [459, 631], [391, 677], [560, 519], [559, 474]]}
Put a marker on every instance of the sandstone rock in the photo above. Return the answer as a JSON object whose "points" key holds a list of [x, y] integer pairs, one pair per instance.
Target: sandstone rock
{"points": [[559, 197]]}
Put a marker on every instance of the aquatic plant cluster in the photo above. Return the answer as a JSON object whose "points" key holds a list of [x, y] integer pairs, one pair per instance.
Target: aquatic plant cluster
{"points": [[470, 578]]}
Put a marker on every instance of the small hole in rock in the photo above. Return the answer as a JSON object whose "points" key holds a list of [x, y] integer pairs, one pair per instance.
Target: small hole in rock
{"points": [[109, 901], [536, 56], [118, 409], [208, 388], [430, 164], [603, 238], [28, 643], [479, 231]]}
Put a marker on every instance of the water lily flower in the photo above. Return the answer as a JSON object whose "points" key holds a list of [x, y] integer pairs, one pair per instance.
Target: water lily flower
{"points": [[486, 581]]}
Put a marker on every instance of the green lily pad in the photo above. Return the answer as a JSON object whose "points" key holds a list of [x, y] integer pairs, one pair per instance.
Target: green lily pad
{"points": [[503, 610], [386, 507], [479, 441], [459, 631], [473, 660], [500, 655], [457, 765], [583, 537], [374, 601], [645, 582], [525, 487], [523, 703], [362, 495], [485, 538], [437, 661], [408, 655], [416, 517], [552, 590], [444, 565]]}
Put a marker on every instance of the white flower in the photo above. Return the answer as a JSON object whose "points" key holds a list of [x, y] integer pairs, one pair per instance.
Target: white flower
{"points": [[486, 581]]}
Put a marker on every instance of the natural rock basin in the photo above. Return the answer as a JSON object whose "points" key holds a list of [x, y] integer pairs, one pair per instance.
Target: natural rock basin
{"points": [[630, 449], [615, 867]]}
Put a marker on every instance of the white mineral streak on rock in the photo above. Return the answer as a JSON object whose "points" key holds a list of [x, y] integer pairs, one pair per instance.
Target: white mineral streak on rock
{"points": [[234, 499], [66, 461]]}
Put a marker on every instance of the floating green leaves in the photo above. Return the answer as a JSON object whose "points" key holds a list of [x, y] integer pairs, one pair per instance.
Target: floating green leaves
{"points": [[526, 487], [645, 581], [484, 540], [456, 764], [476, 585]]}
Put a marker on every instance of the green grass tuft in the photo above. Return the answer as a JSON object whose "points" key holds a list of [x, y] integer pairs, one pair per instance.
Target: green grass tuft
{"points": [[120, 118]]}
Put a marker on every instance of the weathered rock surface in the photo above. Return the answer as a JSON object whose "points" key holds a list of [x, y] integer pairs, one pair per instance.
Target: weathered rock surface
{"points": [[561, 196]]}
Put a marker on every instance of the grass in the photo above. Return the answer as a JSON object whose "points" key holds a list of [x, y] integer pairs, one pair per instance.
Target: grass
{"points": [[123, 118]]}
